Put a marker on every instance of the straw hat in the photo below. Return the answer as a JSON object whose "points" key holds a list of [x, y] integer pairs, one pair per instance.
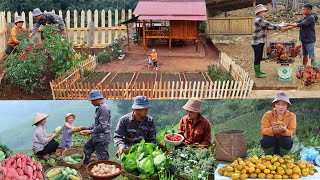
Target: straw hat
{"points": [[260, 8], [18, 19], [141, 102], [153, 50], [38, 117], [281, 96], [70, 114], [193, 105]]}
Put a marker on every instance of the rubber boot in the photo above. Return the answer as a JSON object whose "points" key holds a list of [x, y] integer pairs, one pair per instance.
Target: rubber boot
{"points": [[316, 63], [283, 152], [258, 71], [269, 151]]}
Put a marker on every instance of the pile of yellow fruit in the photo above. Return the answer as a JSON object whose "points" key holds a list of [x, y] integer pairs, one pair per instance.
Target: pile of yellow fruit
{"points": [[267, 167]]}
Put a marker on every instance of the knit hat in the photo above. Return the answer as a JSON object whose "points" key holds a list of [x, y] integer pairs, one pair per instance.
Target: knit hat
{"points": [[281, 96], [193, 105], [36, 12], [260, 8], [70, 114], [94, 95], [18, 19], [39, 117], [141, 102]]}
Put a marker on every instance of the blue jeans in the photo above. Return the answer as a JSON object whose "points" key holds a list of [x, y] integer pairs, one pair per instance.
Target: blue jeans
{"points": [[308, 49]]}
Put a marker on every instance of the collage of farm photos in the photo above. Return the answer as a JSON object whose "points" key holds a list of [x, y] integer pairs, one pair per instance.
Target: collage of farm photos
{"points": [[160, 90]]}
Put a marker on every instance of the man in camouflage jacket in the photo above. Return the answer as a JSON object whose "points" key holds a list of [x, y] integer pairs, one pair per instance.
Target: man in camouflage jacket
{"points": [[135, 126], [100, 131]]}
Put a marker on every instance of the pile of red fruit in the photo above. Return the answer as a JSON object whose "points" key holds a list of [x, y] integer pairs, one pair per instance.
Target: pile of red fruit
{"points": [[283, 52], [173, 137], [309, 74]]}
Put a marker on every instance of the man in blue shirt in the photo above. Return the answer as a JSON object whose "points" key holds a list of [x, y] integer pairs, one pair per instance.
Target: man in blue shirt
{"points": [[307, 33]]}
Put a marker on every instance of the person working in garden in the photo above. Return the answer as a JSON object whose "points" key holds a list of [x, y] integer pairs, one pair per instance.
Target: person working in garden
{"points": [[100, 131], [154, 57], [43, 143], [46, 19], [261, 26], [307, 33], [15, 32], [135, 126], [278, 126], [195, 128]]}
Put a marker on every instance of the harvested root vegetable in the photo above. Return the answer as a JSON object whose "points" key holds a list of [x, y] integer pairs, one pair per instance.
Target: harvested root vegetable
{"points": [[103, 169], [21, 167]]}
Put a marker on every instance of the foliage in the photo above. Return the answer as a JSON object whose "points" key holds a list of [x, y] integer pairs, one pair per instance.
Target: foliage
{"points": [[87, 72], [27, 68], [145, 160], [78, 140], [218, 73], [193, 163], [60, 51], [203, 27], [104, 57]]}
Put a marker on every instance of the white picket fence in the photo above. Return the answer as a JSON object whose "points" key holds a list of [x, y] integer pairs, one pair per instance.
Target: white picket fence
{"points": [[97, 28]]}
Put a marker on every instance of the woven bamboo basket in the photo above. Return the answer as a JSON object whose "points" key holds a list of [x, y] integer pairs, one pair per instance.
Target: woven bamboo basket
{"points": [[69, 152], [45, 177], [230, 145]]}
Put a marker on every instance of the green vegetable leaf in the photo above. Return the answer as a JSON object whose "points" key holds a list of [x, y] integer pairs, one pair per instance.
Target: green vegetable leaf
{"points": [[146, 165]]}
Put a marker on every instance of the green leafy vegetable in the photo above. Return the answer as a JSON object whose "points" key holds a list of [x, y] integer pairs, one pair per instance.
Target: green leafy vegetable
{"points": [[146, 165]]}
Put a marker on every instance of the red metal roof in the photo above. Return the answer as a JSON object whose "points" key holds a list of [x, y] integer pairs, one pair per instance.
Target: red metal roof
{"points": [[172, 10]]}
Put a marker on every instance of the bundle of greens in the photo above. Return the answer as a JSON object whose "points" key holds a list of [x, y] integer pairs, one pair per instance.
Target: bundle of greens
{"points": [[145, 160], [193, 163]]}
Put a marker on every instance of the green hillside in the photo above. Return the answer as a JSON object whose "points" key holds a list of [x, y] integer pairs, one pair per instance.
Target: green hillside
{"points": [[224, 115]]}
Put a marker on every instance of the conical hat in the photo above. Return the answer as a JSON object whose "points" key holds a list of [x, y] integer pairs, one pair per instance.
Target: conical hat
{"points": [[38, 117]]}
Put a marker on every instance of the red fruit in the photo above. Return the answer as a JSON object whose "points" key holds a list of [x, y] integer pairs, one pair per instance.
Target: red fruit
{"points": [[28, 48], [40, 44], [47, 52], [22, 56], [4, 69], [69, 58]]}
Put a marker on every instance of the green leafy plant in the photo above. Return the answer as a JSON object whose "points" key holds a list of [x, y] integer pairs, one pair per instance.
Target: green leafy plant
{"points": [[26, 67], [104, 57], [218, 73]]}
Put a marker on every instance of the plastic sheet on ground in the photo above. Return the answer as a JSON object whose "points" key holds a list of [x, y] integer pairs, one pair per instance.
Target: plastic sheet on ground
{"points": [[316, 176]]}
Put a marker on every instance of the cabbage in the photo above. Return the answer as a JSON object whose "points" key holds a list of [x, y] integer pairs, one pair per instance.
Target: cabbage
{"points": [[146, 165], [129, 162]]}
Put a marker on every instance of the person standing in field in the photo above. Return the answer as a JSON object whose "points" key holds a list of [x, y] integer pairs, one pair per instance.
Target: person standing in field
{"points": [[154, 57], [307, 33], [100, 131], [259, 38]]}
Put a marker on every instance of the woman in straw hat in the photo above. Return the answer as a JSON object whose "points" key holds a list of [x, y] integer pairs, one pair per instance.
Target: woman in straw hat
{"points": [[261, 26], [195, 128], [16, 30], [43, 143], [278, 126]]}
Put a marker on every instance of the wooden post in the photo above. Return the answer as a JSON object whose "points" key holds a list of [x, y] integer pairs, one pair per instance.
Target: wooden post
{"points": [[82, 26], [96, 32], [75, 25], [197, 38], [128, 36], [116, 24], [103, 24], [144, 35], [170, 39], [109, 25], [67, 24]]}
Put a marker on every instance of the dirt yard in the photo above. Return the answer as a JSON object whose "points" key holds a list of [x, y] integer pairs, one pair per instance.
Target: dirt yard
{"points": [[240, 50], [179, 59]]}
